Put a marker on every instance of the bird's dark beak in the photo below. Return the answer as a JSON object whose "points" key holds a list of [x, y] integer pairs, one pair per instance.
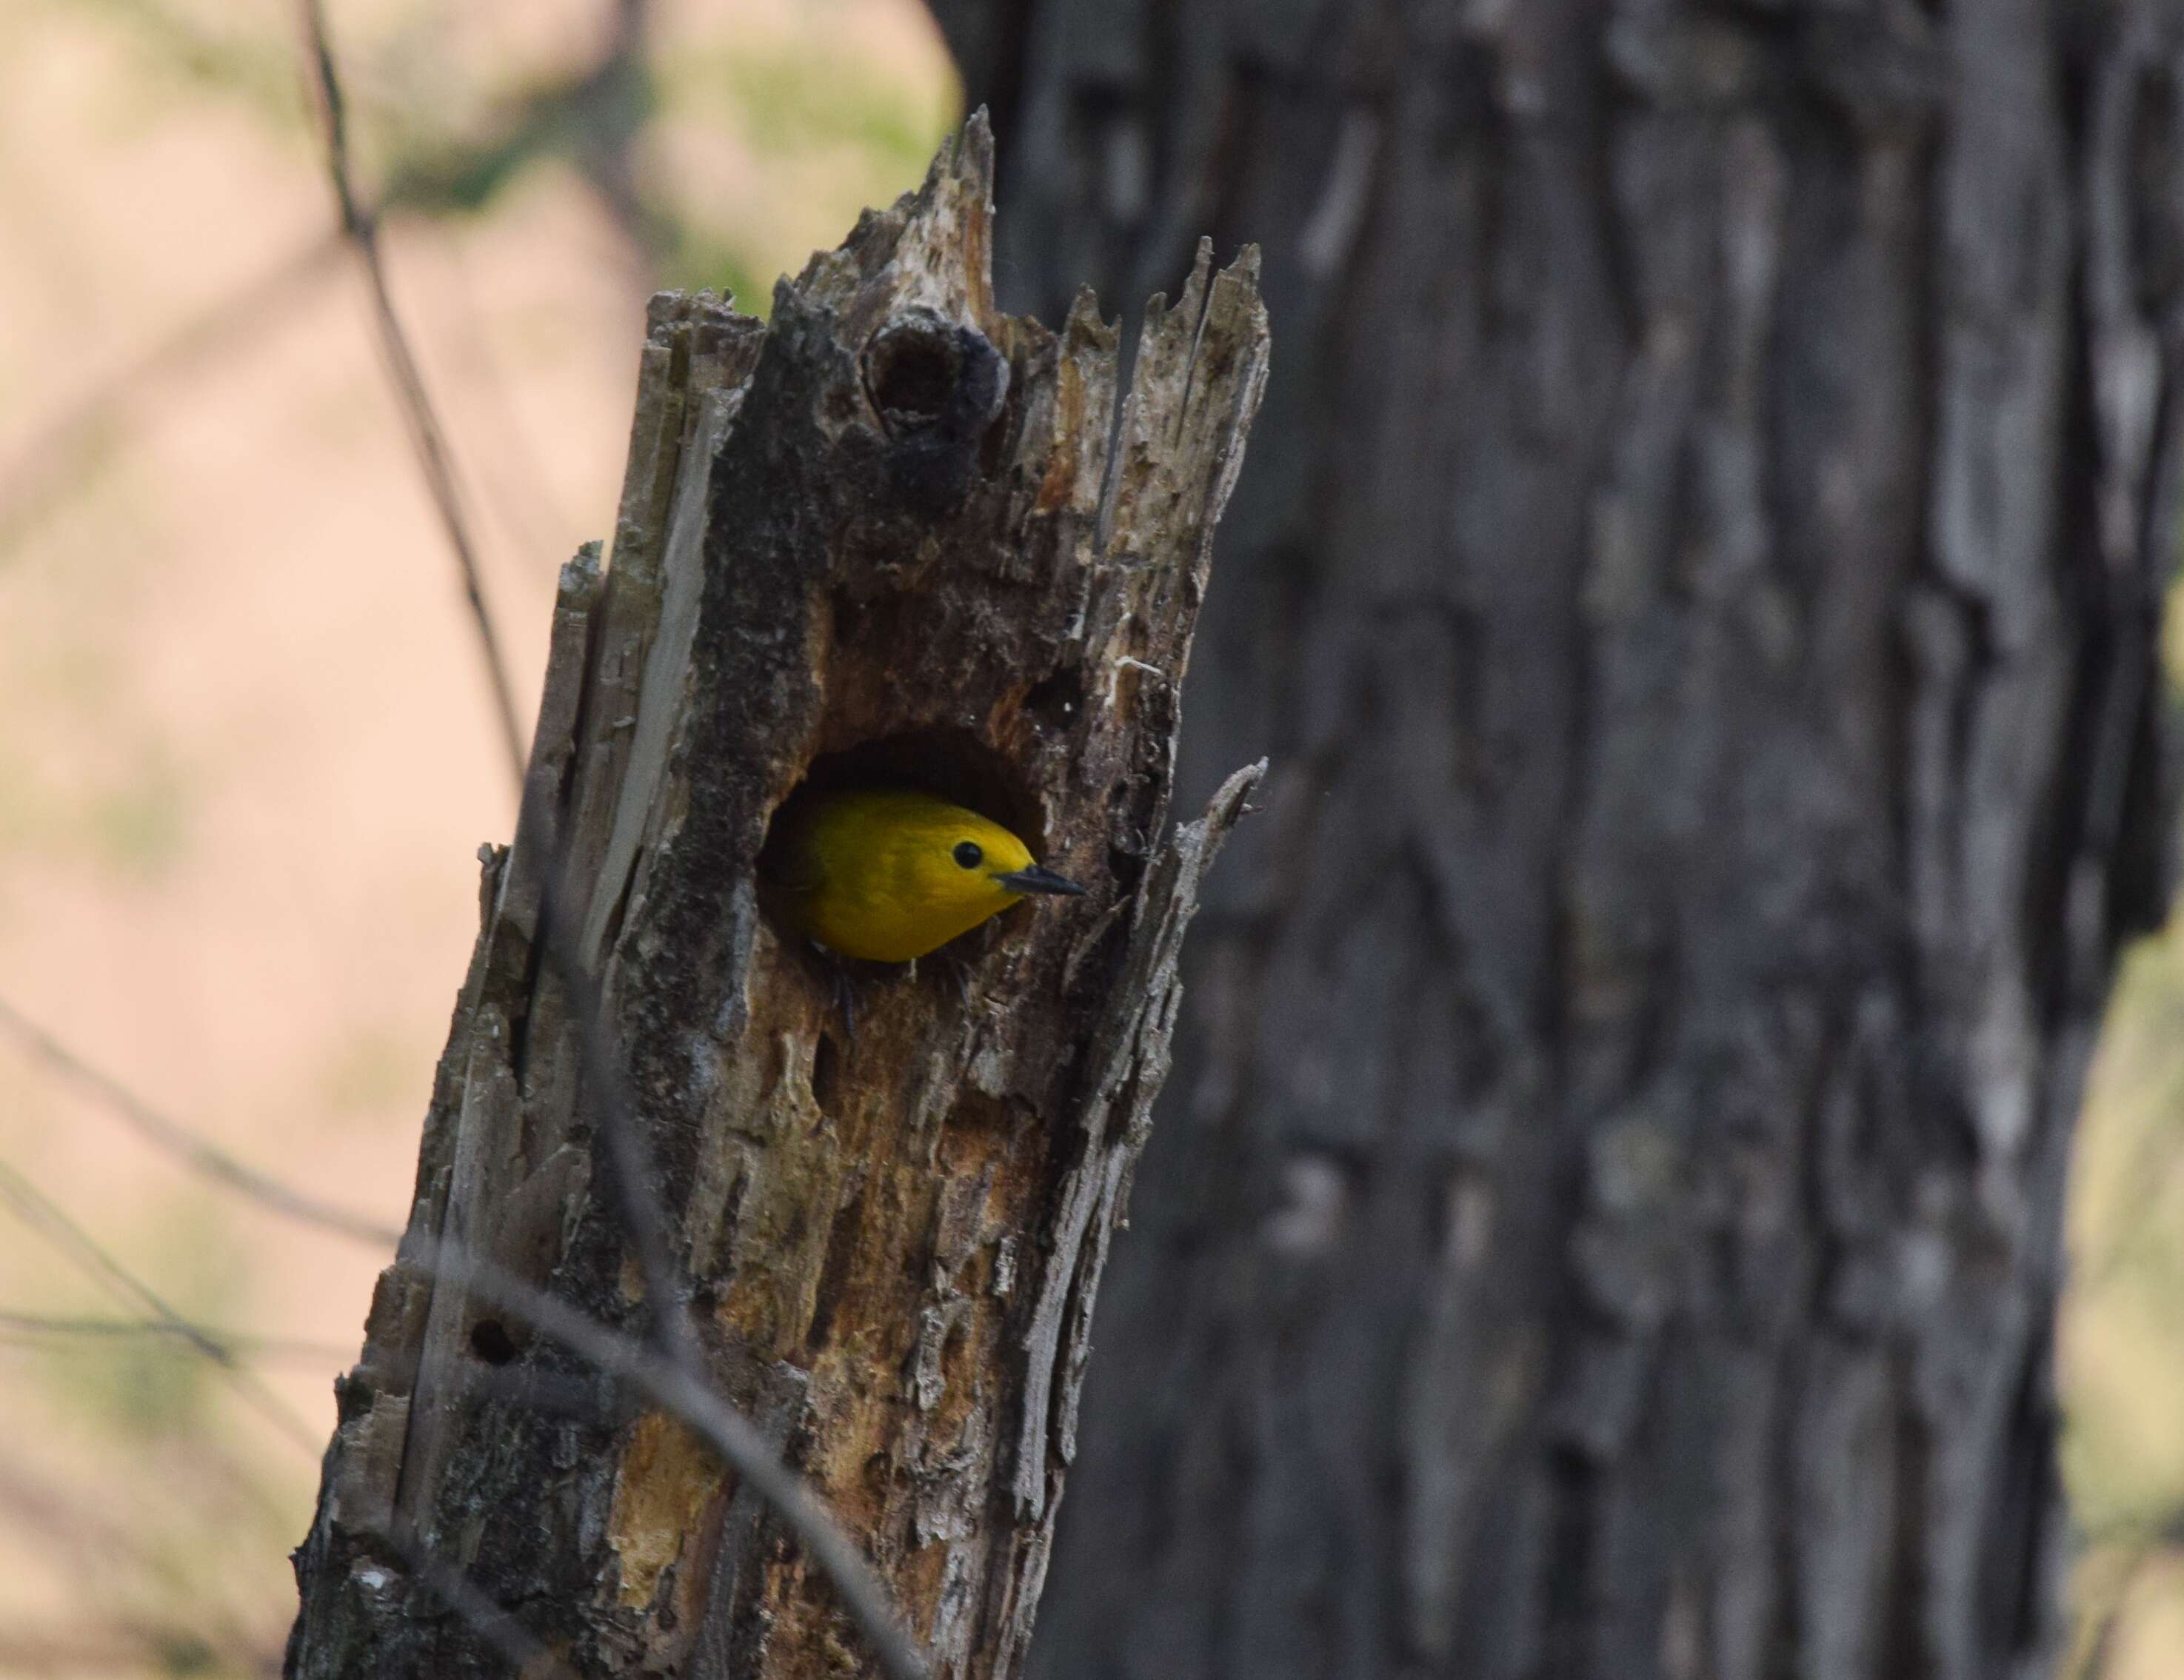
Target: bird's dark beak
{"points": [[1038, 879]]}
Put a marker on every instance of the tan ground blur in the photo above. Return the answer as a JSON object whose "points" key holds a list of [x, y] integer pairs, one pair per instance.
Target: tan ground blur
{"points": [[246, 756]]}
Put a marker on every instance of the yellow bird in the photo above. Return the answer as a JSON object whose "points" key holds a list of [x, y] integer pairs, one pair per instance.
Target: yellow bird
{"points": [[888, 874]]}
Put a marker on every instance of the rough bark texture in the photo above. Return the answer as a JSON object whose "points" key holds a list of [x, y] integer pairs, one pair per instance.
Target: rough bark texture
{"points": [[891, 534], [1698, 580]]}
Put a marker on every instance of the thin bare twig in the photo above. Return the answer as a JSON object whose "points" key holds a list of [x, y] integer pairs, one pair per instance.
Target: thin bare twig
{"points": [[636, 1178], [361, 227], [37, 473], [673, 1376], [511, 1641], [671, 1380], [669, 1383], [678, 1391], [179, 1140], [44, 1215], [498, 1629]]}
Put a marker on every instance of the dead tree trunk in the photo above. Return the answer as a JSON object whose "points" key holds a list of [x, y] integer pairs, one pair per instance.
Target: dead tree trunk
{"points": [[1698, 581], [892, 535]]}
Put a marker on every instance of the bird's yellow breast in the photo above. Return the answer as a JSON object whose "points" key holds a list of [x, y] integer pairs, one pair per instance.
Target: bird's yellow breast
{"points": [[889, 874]]}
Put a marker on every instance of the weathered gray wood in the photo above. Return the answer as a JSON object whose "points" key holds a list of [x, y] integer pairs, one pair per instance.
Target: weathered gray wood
{"points": [[892, 1242], [1698, 579]]}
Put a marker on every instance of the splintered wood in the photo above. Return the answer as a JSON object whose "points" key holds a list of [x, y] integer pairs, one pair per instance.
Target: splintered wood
{"points": [[889, 535]]}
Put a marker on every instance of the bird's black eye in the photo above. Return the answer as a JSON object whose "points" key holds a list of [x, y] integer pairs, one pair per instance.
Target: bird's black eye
{"points": [[968, 854]]}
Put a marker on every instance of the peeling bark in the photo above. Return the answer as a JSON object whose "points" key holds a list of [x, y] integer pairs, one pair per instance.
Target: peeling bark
{"points": [[890, 534], [1698, 581]]}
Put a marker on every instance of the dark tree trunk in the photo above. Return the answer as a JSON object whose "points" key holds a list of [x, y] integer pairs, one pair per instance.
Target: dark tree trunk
{"points": [[1698, 579]]}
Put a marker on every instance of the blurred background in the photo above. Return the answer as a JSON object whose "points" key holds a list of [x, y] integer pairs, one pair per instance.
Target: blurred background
{"points": [[247, 754]]}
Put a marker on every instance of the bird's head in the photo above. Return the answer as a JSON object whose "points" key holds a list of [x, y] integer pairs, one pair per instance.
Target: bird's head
{"points": [[963, 859]]}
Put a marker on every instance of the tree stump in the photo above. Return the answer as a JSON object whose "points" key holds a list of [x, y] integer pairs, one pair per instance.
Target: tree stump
{"points": [[891, 534]]}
